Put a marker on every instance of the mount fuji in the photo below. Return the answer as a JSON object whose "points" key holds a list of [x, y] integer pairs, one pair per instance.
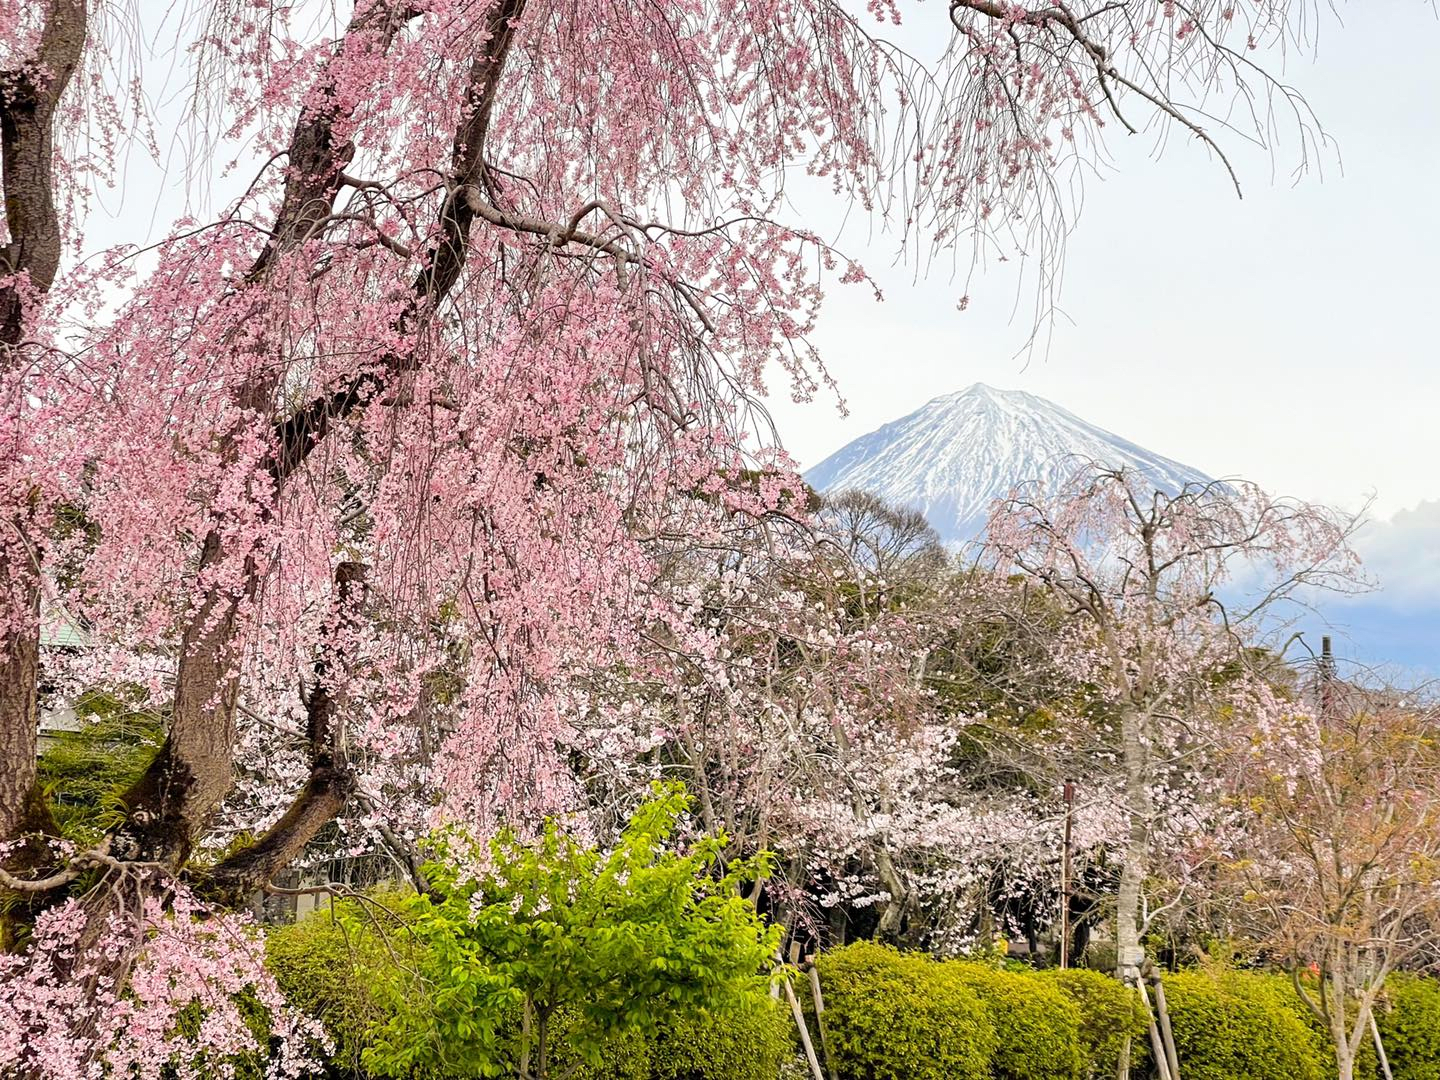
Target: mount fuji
{"points": [[953, 456]]}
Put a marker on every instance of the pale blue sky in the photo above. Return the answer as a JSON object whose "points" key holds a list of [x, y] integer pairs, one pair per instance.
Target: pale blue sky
{"points": [[1288, 337]]}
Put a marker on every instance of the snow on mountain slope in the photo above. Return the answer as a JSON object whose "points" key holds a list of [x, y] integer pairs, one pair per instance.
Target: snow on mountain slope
{"points": [[956, 454]]}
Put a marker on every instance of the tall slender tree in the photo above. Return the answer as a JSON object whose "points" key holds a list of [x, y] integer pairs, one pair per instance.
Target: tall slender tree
{"points": [[1170, 595]]}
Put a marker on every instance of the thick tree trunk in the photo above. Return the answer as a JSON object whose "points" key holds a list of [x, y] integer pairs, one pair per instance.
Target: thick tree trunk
{"points": [[173, 802], [21, 807], [28, 98]]}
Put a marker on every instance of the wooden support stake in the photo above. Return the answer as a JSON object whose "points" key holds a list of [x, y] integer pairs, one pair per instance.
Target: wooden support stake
{"points": [[1166, 1033], [1065, 886], [803, 1029], [1157, 1047], [1379, 1046], [820, 1019]]}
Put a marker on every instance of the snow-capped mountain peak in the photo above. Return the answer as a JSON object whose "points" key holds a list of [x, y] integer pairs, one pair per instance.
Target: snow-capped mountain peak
{"points": [[953, 456]]}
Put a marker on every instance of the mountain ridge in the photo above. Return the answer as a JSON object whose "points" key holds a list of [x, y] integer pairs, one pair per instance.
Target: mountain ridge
{"points": [[952, 457]]}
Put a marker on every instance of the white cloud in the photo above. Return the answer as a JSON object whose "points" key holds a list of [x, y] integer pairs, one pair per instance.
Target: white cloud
{"points": [[1404, 555]]}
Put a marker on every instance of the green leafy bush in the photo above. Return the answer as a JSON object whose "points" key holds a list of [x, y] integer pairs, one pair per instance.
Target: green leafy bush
{"points": [[1109, 1011], [731, 1044], [900, 1016], [1037, 1027], [558, 949], [329, 967], [1243, 1026], [1410, 1026]]}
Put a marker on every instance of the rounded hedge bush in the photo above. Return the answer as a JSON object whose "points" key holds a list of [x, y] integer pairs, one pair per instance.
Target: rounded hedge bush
{"points": [[1109, 1011], [321, 971], [896, 1016], [1243, 1026], [1409, 1024], [740, 1044], [1037, 1027]]}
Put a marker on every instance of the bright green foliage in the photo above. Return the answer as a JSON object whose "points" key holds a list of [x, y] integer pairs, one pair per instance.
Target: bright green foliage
{"points": [[330, 971], [85, 772], [735, 1044], [1243, 1026], [613, 942], [902, 1016], [624, 1056], [1109, 1011], [1410, 1027], [1037, 1027], [329, 967]]}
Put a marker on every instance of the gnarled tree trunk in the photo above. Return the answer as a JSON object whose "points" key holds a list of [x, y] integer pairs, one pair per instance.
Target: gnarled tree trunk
{"points": [[28, 264]]}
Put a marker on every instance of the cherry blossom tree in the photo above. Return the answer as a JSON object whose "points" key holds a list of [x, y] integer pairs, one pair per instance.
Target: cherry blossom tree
{"points": [[1335, 864], [354, 479], [784, 675], [1168, 595], [841, 693]]}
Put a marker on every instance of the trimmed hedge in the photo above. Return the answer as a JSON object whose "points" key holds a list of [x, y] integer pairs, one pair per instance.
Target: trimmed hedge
{"points": [[901, 1016], [1243, 1026], [1108, 1013], [321, 971], [1037, 1026], [1410, 1027], [744, 1044], [904, 1016], [748, 1045]]}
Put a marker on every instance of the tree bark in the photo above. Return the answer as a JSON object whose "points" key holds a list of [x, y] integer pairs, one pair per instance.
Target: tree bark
{"points": [[30, 260], [331, 781], [171, 805], [1128, 950], [304, 429], [174, 801]]}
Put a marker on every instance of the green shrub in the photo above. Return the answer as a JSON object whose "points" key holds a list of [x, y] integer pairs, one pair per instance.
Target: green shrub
{"points": [[1243, 1026], [1037, 1027], [585, 944], [1109, 1011], [1410, 1026], [897, 1016], [331, 970], [328, 970], [625, 1056], [733, 1044]]}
